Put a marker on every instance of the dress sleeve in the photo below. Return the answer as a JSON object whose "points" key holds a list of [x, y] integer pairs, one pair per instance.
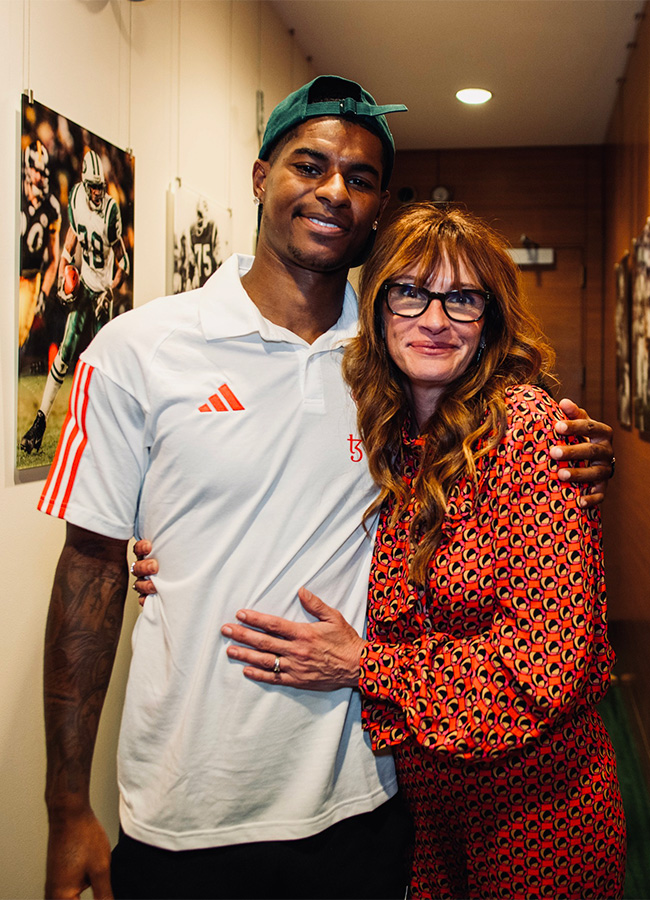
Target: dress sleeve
{"points": [[544, 649]]}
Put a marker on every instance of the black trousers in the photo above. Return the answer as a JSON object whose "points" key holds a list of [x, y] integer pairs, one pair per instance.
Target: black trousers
{"points": [[366, 856]]}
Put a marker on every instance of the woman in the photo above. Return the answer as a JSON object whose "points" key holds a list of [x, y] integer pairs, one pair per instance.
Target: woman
{"points": [[486, 648]]}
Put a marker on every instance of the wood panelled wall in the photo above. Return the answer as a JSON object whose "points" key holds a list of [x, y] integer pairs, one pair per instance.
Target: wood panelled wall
{"points": [[554, 195], [627, 511], [589, 201]]}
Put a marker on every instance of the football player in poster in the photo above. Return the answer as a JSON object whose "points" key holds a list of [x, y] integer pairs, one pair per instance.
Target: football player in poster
{"points": [[95, 226], [40, 224], [182, 277], [203, 238]]}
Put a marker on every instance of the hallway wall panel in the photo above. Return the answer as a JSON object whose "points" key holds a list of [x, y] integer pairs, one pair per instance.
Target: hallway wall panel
{"points": [[554, 196], [627, 515], [177, 81]]}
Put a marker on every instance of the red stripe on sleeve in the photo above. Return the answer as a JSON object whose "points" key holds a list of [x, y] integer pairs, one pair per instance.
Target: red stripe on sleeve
{"points": [[74, 425], [81, 447]]}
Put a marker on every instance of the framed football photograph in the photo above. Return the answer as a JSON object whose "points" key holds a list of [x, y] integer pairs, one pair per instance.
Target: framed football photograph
{"points": [[641, 331], [76, 264], [623, 340], [199, 238]]}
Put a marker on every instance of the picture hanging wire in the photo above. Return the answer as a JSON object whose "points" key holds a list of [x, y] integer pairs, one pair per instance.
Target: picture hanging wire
{"points": [[27, 40], [292, 54], [259, 44], [178, 89], [259, 96], [229, 187], [128, 126]]}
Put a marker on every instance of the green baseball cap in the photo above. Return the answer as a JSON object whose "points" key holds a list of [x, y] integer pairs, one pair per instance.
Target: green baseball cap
{"points": [[330, 95]]}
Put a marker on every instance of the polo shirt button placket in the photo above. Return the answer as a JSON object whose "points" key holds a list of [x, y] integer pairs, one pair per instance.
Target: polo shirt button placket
{"points": [[313, 394]]}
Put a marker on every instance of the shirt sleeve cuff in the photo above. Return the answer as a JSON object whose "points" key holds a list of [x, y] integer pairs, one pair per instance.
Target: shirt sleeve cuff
{"points": [[379, 671]]}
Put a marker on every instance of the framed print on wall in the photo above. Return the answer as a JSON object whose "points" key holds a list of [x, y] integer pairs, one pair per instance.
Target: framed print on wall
{"points": [[623, 340], [199, 239], [641, 331], [76, 264]]}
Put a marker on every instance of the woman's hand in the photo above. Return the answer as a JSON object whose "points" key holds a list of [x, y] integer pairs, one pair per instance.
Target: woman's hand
{"points": [[597, 451], [143, 569], [315, 656]]}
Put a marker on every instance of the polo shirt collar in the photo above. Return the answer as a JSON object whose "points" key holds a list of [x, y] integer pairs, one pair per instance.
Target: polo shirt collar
{"points": [[226, 310]]}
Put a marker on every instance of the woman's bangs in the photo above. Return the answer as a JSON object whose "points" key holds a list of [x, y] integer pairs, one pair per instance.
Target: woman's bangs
{"points": [[423, 254]]}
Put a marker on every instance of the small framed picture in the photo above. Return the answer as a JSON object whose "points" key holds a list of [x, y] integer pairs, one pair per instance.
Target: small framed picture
{"points": [[623, 341], [199, 239], [641, 331]]}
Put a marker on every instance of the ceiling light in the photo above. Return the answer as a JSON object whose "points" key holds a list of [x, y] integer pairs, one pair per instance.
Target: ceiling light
{"points": [[473, 95]]}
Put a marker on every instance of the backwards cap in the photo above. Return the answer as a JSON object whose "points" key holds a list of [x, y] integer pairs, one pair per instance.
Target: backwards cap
{"points": [[354, 104]]}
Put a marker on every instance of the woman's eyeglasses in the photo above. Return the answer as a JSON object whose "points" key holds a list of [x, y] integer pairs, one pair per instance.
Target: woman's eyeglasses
{"points": [[411, 301]]}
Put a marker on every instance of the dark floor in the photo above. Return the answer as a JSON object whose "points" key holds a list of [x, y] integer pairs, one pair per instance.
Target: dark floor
{"points": [[624, 711]]}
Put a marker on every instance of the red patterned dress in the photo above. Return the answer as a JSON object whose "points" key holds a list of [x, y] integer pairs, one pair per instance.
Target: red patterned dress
{"points": [[485, 684]]}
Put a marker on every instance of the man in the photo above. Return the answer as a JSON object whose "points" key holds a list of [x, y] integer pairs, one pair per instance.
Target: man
{"points": [[229, 440], [40, 223], [96, 225]]}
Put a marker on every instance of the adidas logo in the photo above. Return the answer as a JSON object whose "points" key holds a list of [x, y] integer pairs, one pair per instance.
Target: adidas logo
{"points": [[222, 400]]}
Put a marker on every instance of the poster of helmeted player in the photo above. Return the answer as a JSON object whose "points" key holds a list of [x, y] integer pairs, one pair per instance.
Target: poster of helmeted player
{"points": [[76, 264], [200, 238], [641, 330]]}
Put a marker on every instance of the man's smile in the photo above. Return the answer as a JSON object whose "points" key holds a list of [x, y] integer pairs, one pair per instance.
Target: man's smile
{"points": [[323, 223]]}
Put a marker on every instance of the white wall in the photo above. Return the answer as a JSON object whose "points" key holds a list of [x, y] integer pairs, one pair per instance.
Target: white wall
{"points": [[175, 80]]}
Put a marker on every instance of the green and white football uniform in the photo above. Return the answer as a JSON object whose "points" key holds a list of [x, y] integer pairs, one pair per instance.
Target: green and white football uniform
{"points": [[96, 230]]}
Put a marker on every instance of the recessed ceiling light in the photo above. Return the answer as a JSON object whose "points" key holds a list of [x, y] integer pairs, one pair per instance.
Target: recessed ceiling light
{"points": [[473, 95]]}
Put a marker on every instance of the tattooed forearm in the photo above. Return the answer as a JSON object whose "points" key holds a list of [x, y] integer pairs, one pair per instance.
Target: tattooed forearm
{"points": [[83, 630]]}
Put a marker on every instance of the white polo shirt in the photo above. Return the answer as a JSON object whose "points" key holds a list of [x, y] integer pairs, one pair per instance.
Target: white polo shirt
{"points": [[231, 444]]}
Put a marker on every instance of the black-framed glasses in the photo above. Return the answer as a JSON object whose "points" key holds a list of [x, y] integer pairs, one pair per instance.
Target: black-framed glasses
{"points": [[411, 301]]}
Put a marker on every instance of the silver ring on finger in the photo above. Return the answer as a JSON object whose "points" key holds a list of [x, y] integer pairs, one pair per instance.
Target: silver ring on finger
{"points": [[276, 666], [133, 570]]}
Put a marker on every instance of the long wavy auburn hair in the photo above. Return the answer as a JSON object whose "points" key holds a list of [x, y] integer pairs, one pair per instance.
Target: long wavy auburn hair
{"points": [[470, 418]]}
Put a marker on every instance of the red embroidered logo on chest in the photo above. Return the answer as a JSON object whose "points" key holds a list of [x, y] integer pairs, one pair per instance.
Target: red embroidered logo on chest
{"points": [[356, 452], [223, 400]]}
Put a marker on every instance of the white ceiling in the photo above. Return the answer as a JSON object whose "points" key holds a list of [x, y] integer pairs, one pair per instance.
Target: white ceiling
{"points": [[552, 65]]}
